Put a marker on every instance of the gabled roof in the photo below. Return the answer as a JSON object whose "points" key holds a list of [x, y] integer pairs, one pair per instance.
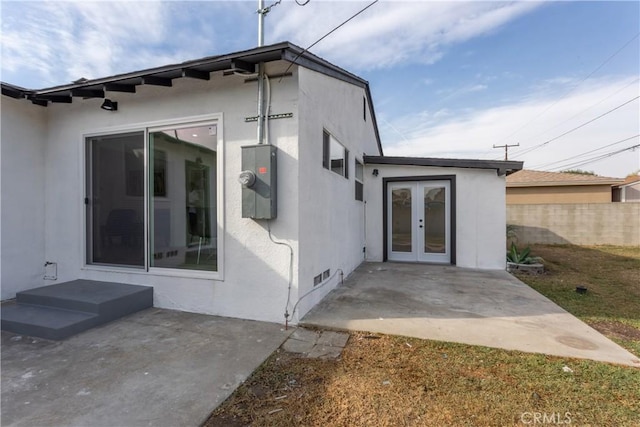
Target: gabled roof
{"points": [[501, 167], [531, 178], [243, 61]]}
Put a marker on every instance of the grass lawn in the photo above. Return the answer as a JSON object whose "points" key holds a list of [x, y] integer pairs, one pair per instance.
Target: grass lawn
{"points": [[612, 277], [394, 381]]}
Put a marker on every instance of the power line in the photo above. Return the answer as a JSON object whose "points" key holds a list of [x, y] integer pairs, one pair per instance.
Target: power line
{"points": [[535, 147], [596, 158], [588, 108], [573, 88], [327, 35], [545, 165]]}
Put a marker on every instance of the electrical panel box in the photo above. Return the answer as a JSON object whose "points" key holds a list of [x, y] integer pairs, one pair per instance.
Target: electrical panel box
{"points": [[258, 179]]}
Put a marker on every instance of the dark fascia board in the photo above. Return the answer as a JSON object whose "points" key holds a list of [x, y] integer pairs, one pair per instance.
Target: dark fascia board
{"points": [[301, 57], [220, 62], [14, 91], [502, 167], [279, 51], [374, 121]]}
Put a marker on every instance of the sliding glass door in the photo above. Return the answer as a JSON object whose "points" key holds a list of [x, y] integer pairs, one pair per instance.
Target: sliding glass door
{"points": [[153, 204], [115, 200], [182, 188]]}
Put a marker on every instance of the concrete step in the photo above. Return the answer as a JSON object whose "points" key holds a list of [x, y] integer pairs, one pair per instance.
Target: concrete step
{"points": [[45, 322], [60, 310]]}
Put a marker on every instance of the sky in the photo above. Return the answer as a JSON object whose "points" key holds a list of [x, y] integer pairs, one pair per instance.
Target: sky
{"points": [[448, 78]]}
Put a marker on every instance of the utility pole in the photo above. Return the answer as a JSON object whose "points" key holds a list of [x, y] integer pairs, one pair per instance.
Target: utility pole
{"points": [[506, 149]]}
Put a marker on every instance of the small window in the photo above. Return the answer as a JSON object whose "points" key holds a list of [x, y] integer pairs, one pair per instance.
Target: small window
{"points": [[364, 108], [359, 180], [335, 157]]}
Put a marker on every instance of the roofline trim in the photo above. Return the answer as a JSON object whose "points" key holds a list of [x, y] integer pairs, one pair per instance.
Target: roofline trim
{"points": [[560, 183], [284, 51], [501, 167]]}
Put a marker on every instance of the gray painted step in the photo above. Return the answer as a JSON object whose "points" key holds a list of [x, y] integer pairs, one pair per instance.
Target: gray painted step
{"points": [[45, 322], [61, 310]]}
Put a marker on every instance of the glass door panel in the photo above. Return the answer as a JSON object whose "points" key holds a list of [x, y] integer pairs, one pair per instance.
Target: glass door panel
{"points": [[401, 220], [435, 236], [182, 208], [115, 200]]}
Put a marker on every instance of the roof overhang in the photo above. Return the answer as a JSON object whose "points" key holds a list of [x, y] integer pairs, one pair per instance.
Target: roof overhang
{"points": [[245, 62], [563, 183], [501, 167]]}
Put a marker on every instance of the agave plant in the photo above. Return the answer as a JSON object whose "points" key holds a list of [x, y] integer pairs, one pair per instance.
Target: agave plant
{"points": [[524, 257]]}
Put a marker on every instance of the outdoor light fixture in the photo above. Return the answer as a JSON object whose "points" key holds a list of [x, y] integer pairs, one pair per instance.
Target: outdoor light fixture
{"points": [[375, 172], [109, 105]]}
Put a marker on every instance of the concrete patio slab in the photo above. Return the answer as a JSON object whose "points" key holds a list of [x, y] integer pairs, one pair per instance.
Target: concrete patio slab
{"points": [[448, 303], [153, 368]]}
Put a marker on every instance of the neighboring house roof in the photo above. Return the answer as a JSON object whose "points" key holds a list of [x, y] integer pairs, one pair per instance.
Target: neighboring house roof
{"points": [[501, 167], [243, 61], [531, 178], [630, 180]]}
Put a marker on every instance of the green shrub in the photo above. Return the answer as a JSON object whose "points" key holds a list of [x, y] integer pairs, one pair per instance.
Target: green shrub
{"points": [[523, 257]]}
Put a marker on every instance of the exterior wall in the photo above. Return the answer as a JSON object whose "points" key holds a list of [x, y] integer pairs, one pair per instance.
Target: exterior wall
{"points": [[331, 220], [559, 194], [22, 204], [254, 276], [630, 192], [578, 224], [480, 213]]}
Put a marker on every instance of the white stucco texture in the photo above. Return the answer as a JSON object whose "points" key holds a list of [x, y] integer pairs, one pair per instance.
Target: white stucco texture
{"points": [[22, 205], [331, 219], [480, 212], [318, 216]]}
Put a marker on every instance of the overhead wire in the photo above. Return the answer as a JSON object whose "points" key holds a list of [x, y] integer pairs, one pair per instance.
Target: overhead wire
{"points": [[606, 61], [596, 158], [535, 147], [545, 165], [327, 35], [516, 152]]}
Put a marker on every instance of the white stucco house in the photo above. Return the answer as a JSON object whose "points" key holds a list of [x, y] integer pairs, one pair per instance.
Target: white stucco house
{"points": [[134, 178]]}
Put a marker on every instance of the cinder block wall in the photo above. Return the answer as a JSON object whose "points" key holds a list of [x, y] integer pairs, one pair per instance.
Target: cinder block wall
{"points": [[578, 224]]}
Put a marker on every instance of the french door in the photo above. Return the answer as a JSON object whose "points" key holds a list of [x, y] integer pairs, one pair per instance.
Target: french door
{"points": [[419, 221]]}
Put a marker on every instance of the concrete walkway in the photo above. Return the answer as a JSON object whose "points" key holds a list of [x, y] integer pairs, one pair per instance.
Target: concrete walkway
{"points": [[446, 303], [153, 368]]}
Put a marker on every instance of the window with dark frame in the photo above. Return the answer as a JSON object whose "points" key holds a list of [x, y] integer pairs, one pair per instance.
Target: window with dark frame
{"points": [[364, 108], [359, 178], [335, 156]]}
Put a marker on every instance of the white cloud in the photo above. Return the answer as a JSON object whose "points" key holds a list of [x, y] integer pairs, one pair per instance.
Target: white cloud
{"points": [[472, 134], [390, 32], [63, 41]]}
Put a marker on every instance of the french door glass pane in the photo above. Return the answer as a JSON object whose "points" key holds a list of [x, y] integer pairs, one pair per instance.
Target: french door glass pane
{"points": [[182, 193], [115, 199], [401, 222], [434, 220]]}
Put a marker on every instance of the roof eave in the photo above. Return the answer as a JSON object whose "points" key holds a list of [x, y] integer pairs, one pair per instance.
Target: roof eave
{"points": [[561, 183], [501, 167]]}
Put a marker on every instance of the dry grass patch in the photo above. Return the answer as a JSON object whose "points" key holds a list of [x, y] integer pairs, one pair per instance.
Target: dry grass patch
{"points": [[612, 276], [396, 381]]}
